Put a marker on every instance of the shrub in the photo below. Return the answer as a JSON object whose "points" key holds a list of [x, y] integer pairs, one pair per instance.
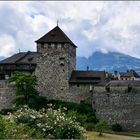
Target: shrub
{"points": [[12, 130], [82, 109], [117, 127], [51, 122], [2, 127], [6, 111], [89, 126], [20, 131], [78, 117], [100, 127]]}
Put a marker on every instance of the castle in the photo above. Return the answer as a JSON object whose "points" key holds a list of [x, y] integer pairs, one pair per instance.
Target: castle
{"points": [[54, 64]]}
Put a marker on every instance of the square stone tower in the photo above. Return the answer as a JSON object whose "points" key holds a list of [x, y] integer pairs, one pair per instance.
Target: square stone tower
{"points": [[56, 59]]}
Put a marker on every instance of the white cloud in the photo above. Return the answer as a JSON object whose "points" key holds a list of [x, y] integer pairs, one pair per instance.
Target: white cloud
{"points": [[92, 25], [7, 45]]}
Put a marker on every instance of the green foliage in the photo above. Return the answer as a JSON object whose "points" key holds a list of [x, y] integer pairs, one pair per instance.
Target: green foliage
{"points": [[83, 109], [6, 111], [26, 93], [78, 117], [52, 123], [25, 83], [100, 127], [117, 127], [12, 130], [20, 131], [89, 126], [25, 87], [2, 127]]}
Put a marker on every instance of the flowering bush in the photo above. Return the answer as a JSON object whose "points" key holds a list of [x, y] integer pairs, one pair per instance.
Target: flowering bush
{"points": [[51, 122], [20, 131], [12, 130]]}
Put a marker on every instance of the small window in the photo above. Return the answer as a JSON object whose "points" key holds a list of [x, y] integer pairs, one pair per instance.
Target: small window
{"points": [[90, 88], [42, 45], [62, 61], [52, 45], [49, 46], [59, 46], [6, 77], [107, 89], [78, 85], [45, 45]]}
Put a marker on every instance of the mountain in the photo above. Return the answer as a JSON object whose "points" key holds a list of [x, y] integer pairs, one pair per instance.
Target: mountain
{"points": [[1, 58], [110, 62]]}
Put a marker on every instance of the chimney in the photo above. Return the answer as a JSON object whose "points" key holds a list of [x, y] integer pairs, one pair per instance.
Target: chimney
{"points": [[87, 68]]}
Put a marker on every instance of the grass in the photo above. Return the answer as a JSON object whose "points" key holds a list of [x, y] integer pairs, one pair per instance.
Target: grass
{"points": [[129, 133], [94, 136]]}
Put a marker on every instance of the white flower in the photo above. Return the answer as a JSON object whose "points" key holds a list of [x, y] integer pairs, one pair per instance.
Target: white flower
{"points": [[40, 115], [39, 124], [44, 129], [32, 116], [64, 108]]}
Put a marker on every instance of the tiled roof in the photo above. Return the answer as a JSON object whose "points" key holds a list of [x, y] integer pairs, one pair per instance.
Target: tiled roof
{"points": [[134, 73], [22, 58], [126, 74], [56, 35], [88, 77]]}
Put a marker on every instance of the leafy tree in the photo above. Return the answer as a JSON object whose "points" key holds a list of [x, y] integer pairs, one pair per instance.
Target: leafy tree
{"points": [[25, 88], [100, 127]]}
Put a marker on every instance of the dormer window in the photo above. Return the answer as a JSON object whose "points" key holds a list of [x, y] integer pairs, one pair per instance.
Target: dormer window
{"points": [[30, 59], [52, 34]]}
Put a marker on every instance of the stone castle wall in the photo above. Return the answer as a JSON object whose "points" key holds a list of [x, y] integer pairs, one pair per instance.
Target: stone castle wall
{"points": [[118, 106], [7, 93], [80, 92]]}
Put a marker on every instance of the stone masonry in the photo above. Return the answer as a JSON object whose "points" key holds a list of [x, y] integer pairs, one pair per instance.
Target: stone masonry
{"points": [[7, 93], [118, 106], [55, 62]]}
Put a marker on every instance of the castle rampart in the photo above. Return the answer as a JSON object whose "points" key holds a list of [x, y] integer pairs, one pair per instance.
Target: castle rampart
{"points": [[118, 106], [115, 106]]}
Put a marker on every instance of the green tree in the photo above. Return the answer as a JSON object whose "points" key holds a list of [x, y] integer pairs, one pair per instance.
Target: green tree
{"points": [[100, 127], [25, 88]]}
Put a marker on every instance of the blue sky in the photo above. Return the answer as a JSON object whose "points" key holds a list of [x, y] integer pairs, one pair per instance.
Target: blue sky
{"points": [[92, 25]]}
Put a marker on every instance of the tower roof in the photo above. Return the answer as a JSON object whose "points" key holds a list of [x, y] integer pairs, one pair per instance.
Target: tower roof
{"points": [[56, 35]]}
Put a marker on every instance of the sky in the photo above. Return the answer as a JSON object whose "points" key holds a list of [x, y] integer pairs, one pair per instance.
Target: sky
{"points": [[105, 26]]}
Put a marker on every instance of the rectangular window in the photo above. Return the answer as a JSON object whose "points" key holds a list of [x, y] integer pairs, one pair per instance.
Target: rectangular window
{"points": [[62, 61]]}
